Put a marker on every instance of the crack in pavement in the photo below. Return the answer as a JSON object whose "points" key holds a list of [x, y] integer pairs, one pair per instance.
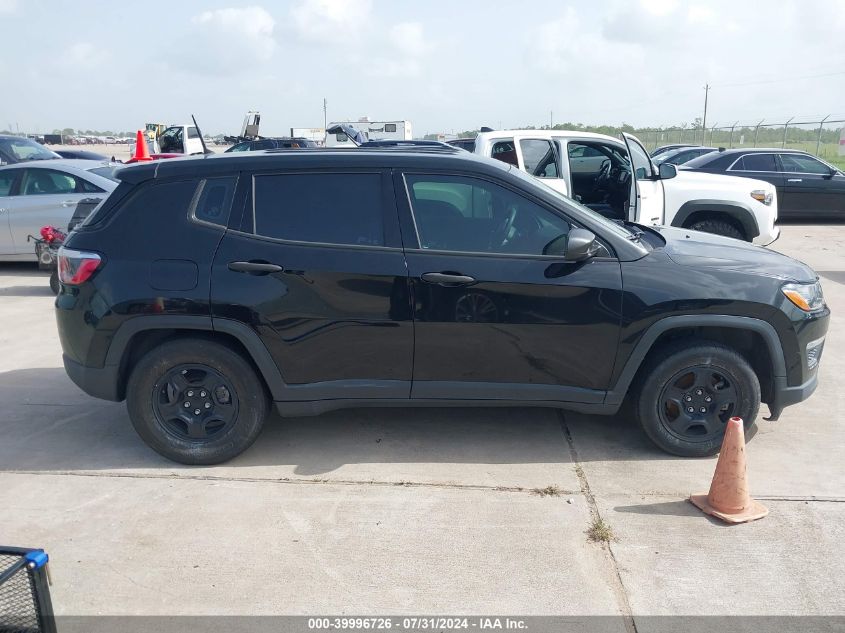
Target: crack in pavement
{"points": [[291, 480], [617, 585]]}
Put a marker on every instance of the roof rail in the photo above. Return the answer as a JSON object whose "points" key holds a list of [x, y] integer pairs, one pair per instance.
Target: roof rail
{"points": [[408, 145]]}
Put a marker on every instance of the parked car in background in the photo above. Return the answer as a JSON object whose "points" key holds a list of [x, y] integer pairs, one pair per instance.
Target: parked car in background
{"points": [[415, 276], [16, 149], [681, 155], [668, 148], [271, 143], [41, 193], [616, 178], [80, 154], [807, 187]]}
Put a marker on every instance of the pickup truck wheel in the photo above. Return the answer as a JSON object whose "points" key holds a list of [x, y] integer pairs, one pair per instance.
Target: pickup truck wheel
{"points": [[689, 392], [196, 401], [719, 227]]}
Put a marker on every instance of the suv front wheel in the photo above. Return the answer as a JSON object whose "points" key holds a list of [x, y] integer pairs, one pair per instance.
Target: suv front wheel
{"points": [[688, 393], [196, 402]]}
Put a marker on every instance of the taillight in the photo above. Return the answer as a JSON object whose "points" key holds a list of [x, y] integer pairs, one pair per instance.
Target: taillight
{"points": [[76, 267]]}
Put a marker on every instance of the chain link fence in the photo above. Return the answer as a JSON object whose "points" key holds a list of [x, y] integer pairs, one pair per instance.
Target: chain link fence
{"points": [[821, 138]]}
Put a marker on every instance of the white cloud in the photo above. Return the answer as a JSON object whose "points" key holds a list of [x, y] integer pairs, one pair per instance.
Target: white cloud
{"points": [[230, 41], [408, 38], [8, 6], [251, 28], [568, 44], [331, 20], [699, 13], [82, 55], [659, 7]]}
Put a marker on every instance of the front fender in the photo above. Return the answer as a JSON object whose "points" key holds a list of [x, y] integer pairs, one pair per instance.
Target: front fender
{"points": [[734, 210]]}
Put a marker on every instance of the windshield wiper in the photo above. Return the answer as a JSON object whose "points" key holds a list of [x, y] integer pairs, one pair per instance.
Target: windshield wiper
{"points": [[635, 233]]}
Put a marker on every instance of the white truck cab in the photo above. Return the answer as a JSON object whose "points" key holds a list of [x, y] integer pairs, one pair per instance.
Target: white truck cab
{"points": [[618, 179], [180, 139]]}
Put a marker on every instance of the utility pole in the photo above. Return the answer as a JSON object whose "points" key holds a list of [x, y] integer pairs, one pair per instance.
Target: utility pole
{"points": [[325, 120], [551, 119], [704, 120]]}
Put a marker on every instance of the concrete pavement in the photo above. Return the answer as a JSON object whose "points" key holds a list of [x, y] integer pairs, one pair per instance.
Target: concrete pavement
{"points": [[415, 511]]}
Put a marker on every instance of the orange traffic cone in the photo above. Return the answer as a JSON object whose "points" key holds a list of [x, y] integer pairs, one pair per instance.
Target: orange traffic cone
{"points": [[728, 498], [141, 151]]}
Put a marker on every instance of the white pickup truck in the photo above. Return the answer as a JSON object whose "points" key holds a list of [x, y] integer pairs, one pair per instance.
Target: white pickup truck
{"points": [[617, 179]]}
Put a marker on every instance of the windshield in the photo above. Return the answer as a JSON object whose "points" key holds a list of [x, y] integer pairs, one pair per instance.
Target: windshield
{"points": [[22, 149], [106, 172], [619, 229]]}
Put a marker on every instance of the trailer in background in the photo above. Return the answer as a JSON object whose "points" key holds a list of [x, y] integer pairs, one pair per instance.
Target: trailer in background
{"points": [[316, 134], [372, 131]]}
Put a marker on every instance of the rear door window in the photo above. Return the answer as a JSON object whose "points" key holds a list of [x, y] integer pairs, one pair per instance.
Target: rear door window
{"points": [[325, 208], [7, 178], [539, 157], [756, 162], [505, 152]]}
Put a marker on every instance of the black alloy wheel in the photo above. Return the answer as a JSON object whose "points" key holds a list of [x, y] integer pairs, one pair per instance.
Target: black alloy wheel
{"points": [[195, 403], [697, 402]]}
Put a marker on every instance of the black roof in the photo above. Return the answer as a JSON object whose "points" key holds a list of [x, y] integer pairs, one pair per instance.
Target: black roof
{"points": [[427, 157], [755, 150], [724, 158]]}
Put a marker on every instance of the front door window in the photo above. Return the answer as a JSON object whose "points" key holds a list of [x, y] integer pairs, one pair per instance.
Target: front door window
{"points": [[470, 215]]}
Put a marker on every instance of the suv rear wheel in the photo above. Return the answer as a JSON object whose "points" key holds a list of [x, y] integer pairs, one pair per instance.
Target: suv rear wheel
{"points": [[196, 401], [688, 393]]}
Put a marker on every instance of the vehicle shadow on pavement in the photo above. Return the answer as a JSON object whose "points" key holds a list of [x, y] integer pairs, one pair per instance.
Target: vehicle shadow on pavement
{"points": [[48, 424], [27, 291], [23, 269]]}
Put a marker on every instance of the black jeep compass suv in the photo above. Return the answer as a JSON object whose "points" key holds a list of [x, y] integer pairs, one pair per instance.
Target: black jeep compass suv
{"points": [[205, 289]]}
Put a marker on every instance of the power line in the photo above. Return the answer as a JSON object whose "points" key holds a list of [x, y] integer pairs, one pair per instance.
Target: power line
{"points": [[775, 81]]}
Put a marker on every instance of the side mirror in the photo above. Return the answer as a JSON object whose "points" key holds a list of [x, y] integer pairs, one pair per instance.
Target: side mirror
{"points": [[667, 171], [580, 246], [557, 247], [833, 172]]}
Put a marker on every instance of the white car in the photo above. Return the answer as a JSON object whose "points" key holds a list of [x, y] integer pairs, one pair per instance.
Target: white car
{"points": [[45, 192], [618, 179]]}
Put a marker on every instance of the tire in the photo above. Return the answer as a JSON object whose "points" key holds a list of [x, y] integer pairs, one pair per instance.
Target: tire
{"points": [[719, 227], [54, 281], [688, 373], [180, 377]]}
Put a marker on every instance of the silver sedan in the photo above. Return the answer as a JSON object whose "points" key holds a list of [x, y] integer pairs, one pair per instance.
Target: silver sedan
{"points": [[37, 193]]}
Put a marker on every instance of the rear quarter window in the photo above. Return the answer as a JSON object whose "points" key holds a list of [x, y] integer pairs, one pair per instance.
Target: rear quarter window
{"points": [[145, 202], [215, 200]]}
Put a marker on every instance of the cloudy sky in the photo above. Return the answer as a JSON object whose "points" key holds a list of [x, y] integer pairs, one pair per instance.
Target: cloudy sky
{"points": [[444, 64]]}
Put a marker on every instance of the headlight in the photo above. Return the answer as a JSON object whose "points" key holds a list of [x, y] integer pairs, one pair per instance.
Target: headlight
{"points": [[808, 297], [765, 197]]}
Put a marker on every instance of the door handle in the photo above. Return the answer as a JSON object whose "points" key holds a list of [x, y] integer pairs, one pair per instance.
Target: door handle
{"points": [[447, 279], [794, 180], [255, 268], [68, 203]]}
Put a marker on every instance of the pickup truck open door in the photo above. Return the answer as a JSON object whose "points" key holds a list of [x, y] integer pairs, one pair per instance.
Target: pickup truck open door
{"points": [[647, 199]]}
